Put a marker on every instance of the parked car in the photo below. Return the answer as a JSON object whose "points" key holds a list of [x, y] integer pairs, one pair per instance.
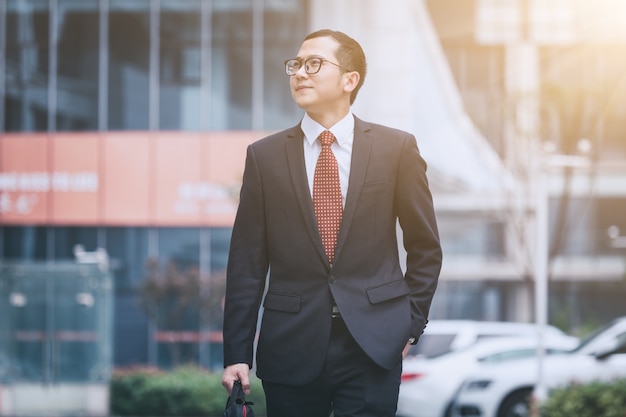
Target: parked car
{"points": [[443, 336], [505, 389], [429, 385]]}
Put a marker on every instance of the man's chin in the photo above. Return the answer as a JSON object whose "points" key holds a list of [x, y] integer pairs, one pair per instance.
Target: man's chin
{"points": [[303, 104]]}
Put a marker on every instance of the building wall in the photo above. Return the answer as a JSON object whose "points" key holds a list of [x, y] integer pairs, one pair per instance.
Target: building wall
{"points": [[559, 65]]}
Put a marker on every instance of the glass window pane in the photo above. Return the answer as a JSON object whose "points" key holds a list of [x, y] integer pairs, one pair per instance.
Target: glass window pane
{"points": [[130, 339], [582, 90], [26, 105], [180, 62], [24, 243], [129, 64], [72, 299], [220, 243], [128, 250], [77, 95], [28, 319], [285, 29], [611, 68], [57, 322], [606, 212], [231, 67], [66, 239], [171, 295]]}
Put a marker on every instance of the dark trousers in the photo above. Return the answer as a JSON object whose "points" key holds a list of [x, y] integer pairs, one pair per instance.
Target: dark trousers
{"points": [[350, 385]]}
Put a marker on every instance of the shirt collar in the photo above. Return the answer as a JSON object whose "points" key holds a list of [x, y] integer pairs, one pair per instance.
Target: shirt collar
{"points": [[342, 129]]}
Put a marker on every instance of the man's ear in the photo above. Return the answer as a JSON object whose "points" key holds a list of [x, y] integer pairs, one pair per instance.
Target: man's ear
{"points": [[351, 80]]}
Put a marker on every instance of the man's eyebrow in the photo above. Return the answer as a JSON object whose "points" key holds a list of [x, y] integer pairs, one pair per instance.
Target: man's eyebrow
{"points": [[310, 56]]}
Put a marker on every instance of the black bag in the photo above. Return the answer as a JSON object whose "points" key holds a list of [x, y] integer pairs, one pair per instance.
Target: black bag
{"points": [[237, 406]]}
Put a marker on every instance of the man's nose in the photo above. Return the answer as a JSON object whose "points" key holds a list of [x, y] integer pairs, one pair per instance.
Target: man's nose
{"points": [[301, 72]]}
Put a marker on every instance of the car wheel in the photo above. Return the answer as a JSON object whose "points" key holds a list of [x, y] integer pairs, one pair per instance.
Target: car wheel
{"points": [[516, 404]]}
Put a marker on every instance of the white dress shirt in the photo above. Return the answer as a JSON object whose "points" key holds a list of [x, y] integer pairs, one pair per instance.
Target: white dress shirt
{"points": [[342, 148]]}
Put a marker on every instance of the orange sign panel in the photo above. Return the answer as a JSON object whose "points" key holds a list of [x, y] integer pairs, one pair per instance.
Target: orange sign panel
{"points": [[126, 178], [75, 180], [122, 178], [178, 194], [25, 179]]}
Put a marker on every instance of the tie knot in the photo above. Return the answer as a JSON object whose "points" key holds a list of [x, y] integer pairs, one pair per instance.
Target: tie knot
{"points": [[326, 138]]}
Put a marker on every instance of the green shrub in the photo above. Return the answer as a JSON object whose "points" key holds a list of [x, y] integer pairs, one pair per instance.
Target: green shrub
{"points": [[186, 391], [596, 399]]}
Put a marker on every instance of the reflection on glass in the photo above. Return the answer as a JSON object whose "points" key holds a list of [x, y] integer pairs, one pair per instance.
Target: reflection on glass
{"points": [[173, 294], [285, 28], [27, 34], [24, 243], [129, 64], [180, 65], [77, 82], [128, 248], [226, 83], [66, 239], [57, 319], [231, 68]]}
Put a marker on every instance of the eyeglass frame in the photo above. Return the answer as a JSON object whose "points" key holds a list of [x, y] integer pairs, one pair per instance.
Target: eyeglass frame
{"points": [[303, 64]]}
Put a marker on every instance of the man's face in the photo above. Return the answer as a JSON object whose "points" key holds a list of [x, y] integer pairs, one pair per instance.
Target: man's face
{"points": [[323, 91]]}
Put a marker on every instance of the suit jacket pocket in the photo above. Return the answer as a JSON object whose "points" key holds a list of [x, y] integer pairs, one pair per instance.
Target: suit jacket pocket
{"points": [[388, 291], [282, 302], [374, 186]]}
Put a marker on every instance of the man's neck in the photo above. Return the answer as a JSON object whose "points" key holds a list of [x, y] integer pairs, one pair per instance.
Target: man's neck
{"points": [[329, 119]]}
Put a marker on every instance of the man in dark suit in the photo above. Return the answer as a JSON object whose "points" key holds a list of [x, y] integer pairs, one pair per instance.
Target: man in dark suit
{"points": [[339, 311]]}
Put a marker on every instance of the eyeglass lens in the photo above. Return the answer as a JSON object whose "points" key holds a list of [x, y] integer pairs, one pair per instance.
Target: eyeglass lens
{"points": [[311, 65]]}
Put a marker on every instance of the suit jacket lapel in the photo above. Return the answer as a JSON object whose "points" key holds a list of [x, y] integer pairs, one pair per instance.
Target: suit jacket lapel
{"points": [[297, 170], [361, 149]]}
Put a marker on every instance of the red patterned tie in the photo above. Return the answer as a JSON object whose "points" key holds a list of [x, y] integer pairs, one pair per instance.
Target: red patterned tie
{"points": [[327, 195]]}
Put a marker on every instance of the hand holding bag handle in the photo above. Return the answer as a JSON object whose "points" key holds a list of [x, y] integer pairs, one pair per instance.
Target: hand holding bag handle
{"points": [[237, 406]]}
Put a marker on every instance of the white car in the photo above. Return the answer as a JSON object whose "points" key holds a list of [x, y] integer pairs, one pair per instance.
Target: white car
{"points": [[429, 385], [505, 389], [443, 336]]}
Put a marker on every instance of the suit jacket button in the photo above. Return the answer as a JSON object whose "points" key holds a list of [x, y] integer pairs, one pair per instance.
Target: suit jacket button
{"points": [[331, 280]]}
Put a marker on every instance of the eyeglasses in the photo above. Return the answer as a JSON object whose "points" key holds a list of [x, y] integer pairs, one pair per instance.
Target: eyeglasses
{"points": [[311, 65]]}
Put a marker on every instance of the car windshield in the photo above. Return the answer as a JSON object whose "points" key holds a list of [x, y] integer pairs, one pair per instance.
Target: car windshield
{"points": [[589, 338], [518, 354]]}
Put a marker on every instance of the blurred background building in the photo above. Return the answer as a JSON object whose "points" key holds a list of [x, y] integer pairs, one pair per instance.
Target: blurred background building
{"points": [[123, 126]]}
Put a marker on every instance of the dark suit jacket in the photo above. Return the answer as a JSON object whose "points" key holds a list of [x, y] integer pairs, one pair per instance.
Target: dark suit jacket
{"points": [[275, 228]]}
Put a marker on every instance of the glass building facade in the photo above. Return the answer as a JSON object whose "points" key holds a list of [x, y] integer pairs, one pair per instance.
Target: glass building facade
{"points": [[103, 66]]}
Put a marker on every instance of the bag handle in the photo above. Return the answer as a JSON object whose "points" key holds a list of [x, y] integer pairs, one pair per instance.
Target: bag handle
{"points": [[237, 404], [237, 396]]}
